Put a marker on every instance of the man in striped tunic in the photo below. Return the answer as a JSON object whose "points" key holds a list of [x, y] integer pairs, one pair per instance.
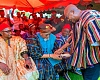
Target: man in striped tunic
{"points": [[86, 54]]}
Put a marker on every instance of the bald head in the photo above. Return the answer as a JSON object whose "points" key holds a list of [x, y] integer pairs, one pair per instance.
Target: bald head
{"points": [[72, 12], [69, 8]]}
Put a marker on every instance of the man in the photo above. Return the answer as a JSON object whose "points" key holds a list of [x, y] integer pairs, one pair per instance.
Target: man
{"points": [[57, 23], [86, 54], [16, 19], [41, 50], [3, 18], [62, 37], [14, 61], [89, 7]]}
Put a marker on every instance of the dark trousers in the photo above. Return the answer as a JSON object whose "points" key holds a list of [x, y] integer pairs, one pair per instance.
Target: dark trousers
{"points": [[91, 73]]}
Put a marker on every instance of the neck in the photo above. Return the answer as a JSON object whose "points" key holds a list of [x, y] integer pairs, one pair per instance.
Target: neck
{"points": [[80, 12], [5, 38]]}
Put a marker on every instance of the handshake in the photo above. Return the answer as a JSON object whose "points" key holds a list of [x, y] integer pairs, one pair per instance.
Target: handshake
{"points": [[65, 55]]}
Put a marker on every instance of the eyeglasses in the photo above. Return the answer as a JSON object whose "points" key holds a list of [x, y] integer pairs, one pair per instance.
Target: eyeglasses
{"points": [[7, 31], [47, 34]]}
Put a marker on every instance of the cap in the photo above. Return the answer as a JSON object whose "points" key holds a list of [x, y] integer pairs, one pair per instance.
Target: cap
{"points": [[44, 26], [3, 26], [67, 26]]}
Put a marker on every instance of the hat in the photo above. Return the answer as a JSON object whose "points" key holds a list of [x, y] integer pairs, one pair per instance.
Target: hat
{"points": [[44, 26], [3, 26], [67, 26]]}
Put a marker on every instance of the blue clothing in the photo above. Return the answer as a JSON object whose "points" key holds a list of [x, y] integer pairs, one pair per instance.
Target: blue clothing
{"points": [[61, 40], [36, 48], [91, 73], [47, 47]]}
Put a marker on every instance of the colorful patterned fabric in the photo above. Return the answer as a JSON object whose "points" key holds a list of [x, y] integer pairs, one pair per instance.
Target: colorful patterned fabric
{"points": [[45, 68], [88, 32], [61, 40], [10, 54]]}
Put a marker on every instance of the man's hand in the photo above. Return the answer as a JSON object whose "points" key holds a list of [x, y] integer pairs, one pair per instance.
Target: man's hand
{"points": [[59, 51], [28, 63], [4, 68], [55, 56], [66, 54]]}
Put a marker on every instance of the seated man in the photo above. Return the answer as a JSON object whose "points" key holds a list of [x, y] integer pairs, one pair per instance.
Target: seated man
{"points": [[41, 50], [14, 61]]}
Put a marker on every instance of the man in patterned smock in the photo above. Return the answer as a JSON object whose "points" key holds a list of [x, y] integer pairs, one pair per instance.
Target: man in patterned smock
{"points": [[14, 61], [86, 54]]}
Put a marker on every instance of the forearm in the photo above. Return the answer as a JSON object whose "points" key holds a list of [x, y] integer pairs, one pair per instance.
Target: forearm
{"points": [[65, 46], [46, 56], [0, 64]]}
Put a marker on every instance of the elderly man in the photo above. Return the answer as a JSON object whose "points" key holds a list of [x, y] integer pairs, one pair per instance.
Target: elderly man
{"points": [[14, 61], [86, 54], [41, 50]]}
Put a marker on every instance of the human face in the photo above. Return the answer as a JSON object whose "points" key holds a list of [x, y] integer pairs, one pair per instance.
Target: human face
{"points": [[45, 35], [6, 33], [72, 16], [65, 32], [21, 26], [18, 14], [32, 29]]}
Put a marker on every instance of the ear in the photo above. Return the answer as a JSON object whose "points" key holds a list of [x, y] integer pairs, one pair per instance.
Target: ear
{"points": [[0, 33], [72, 11]]}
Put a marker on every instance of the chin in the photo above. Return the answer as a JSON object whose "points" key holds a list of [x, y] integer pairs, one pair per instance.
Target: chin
{"points": [[74, 21], [9, 37]]}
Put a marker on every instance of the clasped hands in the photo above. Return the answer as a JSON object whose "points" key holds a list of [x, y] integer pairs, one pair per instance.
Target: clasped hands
{"points": [[5, 69], [60, 55], [28, 63]]}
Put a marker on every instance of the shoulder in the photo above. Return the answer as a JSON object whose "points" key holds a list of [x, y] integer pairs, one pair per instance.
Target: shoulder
{"points": [[52, 35], [17, 38], [32, 40], [58, 35], [1, 39]]}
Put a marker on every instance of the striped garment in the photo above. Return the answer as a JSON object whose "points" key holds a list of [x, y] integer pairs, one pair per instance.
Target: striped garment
{"points": [[61, 40], [88, 32]]}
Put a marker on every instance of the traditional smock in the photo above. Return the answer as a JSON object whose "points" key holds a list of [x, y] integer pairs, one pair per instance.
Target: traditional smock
{"points": [[86, 51], [10, 54]]}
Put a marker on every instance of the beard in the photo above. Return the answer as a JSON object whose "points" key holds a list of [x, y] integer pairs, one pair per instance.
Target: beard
{"points": [[10, 36]]}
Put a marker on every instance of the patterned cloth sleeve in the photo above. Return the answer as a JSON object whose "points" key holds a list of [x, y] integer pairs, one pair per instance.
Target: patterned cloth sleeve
{"points": [[34, 48], [93, 31]]}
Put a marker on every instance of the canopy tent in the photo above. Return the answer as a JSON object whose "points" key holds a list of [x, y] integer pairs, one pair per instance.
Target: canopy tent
{"points": [[38, 5], [26, 5]]}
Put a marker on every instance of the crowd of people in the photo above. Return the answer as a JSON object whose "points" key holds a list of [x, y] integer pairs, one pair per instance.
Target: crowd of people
{"points": [[44, 49]]}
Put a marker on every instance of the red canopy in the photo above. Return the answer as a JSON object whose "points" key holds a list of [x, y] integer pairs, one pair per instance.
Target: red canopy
{"points": [[26, 5], [38, 5], [54, 3]]}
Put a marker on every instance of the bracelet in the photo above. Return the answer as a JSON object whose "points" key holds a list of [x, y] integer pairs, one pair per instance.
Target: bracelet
{"points": [[49, 56]]}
